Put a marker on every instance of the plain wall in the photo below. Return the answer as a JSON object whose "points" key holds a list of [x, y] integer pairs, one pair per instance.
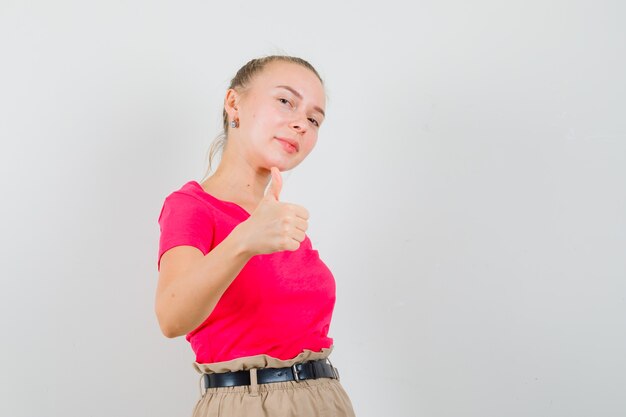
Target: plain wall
{"points": [[468, 191]]}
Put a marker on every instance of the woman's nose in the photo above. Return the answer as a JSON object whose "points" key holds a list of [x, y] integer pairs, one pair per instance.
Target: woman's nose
{"points": [[299, 123]]}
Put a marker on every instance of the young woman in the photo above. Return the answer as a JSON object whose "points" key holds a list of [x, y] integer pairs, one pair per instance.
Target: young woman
{"points": [[238, 274]]}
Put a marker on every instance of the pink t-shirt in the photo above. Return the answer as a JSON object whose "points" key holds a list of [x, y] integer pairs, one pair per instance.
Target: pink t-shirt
{"points": [[279, 304]]}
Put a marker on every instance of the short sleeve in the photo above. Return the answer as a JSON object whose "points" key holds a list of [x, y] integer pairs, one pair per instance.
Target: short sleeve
{"points": [[185, 220]]}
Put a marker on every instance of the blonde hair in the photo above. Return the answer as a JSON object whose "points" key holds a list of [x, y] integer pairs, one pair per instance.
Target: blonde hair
{"points": [[241, 82]]}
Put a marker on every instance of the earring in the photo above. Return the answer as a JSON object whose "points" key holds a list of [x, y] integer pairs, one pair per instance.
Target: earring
{"points": [[233, 124]]}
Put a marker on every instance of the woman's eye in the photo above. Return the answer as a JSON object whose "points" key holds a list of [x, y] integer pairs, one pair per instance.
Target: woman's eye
{"points": [[285, 101]]}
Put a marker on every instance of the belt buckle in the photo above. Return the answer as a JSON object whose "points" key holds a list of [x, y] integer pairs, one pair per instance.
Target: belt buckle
{"points": [[295, 372]]}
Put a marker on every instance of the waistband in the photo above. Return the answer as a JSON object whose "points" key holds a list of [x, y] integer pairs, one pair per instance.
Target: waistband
{"points": [[260, 361]]}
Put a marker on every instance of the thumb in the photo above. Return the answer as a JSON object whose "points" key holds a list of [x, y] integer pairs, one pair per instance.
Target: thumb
{"points": [[276, 183]]}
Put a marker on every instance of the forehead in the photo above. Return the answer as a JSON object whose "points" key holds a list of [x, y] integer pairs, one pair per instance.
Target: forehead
{"points": [[301, 79]]}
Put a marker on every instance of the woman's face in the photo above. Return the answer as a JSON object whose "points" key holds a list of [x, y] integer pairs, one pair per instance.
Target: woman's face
{"points": [[285, 103]]}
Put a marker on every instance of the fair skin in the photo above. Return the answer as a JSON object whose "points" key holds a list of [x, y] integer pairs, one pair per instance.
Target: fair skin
{"points": [[191, 283]]}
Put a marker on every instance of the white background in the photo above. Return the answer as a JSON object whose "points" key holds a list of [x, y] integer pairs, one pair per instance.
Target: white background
{"points": [[468, 191]]}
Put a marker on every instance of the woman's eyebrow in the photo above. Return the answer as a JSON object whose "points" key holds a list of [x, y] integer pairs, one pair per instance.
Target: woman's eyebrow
{"points": [[295, 93]]}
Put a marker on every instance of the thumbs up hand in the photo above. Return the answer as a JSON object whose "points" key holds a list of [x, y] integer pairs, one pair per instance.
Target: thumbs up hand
{"points": [[274, 226]]}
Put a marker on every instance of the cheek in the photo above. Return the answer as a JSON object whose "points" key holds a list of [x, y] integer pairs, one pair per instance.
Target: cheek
{"points": [[310, 145], [259, 124], [267, 118]]}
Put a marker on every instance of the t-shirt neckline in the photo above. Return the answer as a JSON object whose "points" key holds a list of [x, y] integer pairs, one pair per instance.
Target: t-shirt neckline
{"points": [[197, 185]]}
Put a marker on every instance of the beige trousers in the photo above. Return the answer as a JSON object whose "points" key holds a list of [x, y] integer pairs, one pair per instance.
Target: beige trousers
{"points": [[323, 397]]}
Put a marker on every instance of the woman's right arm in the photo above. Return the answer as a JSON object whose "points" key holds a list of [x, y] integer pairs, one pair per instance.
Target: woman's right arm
{"points": [[191, 283]]}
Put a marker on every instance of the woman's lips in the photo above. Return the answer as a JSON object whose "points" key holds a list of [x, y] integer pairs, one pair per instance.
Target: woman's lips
{"points": [[287, 146]]}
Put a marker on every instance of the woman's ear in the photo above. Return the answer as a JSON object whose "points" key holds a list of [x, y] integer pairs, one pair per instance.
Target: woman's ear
{"points": [[231, 102], [231, 98]]}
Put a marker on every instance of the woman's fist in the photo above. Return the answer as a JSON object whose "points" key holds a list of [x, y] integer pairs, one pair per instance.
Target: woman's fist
{"points": [[274, 226]]}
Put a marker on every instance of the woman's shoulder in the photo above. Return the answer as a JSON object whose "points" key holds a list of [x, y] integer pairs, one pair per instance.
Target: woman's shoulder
{"points": [[188, 193], [193, 193]]}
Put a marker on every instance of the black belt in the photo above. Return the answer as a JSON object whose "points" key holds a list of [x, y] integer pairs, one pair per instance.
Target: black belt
{"points": [[297, 372]]}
